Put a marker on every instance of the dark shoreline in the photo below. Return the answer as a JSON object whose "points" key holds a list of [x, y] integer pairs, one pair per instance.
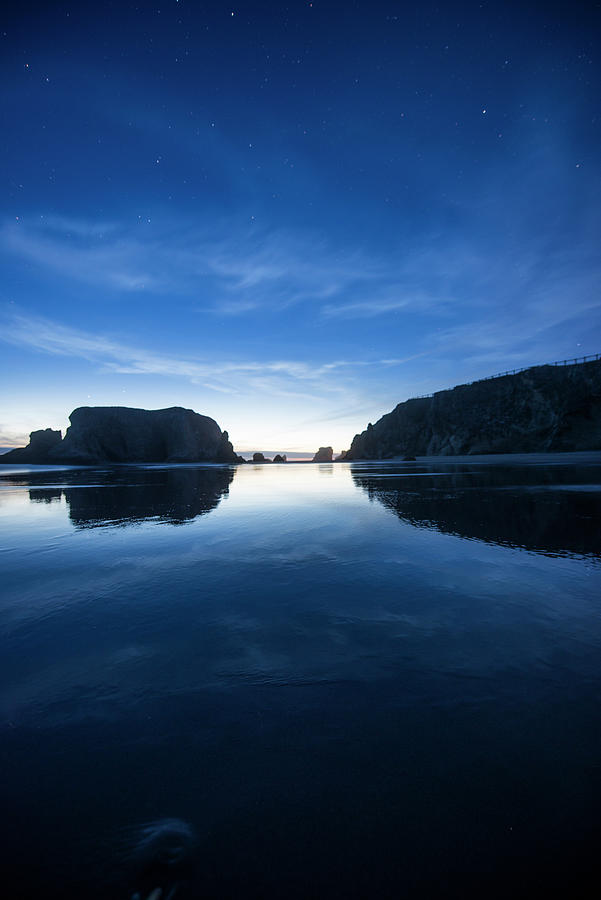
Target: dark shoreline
{"points": [[559, 456]]}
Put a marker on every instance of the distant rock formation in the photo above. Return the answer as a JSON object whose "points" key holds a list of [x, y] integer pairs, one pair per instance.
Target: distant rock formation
{"points": [[545, 408], [324, 454], [41, 443], [280, 458], [117, 434], [259, 458]]}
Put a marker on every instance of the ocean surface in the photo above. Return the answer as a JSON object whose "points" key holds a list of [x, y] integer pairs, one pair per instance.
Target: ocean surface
{"points": [[355, 680]]}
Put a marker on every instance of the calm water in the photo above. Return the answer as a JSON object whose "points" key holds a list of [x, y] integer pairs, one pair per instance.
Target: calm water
{"points": [[367, 680]]}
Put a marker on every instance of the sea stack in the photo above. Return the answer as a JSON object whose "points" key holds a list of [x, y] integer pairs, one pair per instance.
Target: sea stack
{"points": [[117, 434], [324, 454]]}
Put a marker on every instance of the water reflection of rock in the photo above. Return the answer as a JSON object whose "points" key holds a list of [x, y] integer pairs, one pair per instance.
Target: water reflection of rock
{"points": [[125, 496], [549, 510], [46, 495]]}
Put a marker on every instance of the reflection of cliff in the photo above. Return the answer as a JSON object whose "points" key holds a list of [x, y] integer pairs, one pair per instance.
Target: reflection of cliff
{"points": [[124, 496], [550, 510]]}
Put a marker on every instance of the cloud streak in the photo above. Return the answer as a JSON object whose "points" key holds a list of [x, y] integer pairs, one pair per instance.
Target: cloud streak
{"points": [[81, 253], [231, 274], [234, 273], [284, 377]]}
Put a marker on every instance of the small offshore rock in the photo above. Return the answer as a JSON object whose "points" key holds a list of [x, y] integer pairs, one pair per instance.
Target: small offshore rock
{"points": [[324, 454]]}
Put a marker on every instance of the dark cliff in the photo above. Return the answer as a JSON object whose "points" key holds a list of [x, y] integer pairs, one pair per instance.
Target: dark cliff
{"points": [[117, 434], [546, 408]]}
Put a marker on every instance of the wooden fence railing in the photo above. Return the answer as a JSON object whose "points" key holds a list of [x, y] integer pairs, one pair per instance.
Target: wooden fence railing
{"points": [[578, 360]]}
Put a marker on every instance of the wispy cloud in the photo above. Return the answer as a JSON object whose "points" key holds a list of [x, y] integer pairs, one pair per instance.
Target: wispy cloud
{"points": [[235, 273], [370, 307], [471, 313], [300, 267], [228, 273], [364, 309], [80, 251], [282, 377], [435, 276], [71, 226], [10, 437]]}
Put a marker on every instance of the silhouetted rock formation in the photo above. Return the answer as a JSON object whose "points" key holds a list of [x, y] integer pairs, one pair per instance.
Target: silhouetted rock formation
{"points": [[547, 509], [117, 434], [546, 408], [279, 458], [324, 454], [36, 452], [259, 458]]}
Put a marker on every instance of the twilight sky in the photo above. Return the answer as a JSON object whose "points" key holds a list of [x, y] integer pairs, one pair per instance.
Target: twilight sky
{"points": [[291, 217]]}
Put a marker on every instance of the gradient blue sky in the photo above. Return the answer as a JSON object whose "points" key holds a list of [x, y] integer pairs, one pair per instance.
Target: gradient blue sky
{"points": [[291, 217]]}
